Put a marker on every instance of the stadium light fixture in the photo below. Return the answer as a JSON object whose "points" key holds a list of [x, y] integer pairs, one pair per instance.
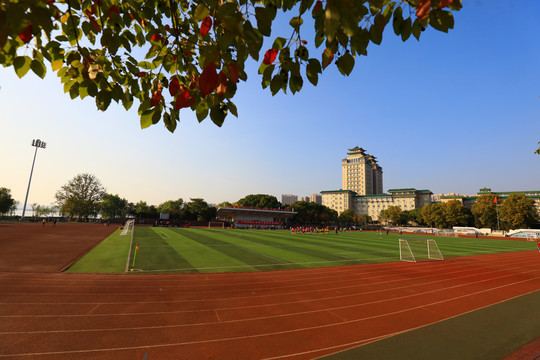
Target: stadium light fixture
{"points": [[37, 144]]}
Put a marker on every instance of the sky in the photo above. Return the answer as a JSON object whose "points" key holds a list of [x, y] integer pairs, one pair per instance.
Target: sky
{"points": [[452, 113]]}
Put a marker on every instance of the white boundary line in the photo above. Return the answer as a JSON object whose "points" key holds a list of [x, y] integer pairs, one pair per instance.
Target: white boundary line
{"points": [[130, 244], [292, 330]]}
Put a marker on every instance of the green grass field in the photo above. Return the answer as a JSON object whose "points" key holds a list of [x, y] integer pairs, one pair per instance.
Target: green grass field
{"points": [[178, 250]]}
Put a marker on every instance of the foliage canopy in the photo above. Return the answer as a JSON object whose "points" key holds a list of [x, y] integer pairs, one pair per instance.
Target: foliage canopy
{"points": [[81, 196], [175, 54]]}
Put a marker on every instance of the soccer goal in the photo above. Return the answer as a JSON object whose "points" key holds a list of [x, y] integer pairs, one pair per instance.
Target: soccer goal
{"points": [[128, 228], [415, 250], [216, 225]]}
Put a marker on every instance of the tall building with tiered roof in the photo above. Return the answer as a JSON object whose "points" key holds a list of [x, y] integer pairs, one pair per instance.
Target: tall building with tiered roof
{"points": [[361, 173], [362, 188]]}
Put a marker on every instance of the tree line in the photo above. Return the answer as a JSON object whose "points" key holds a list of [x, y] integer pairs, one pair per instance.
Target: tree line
{"points": [[84, 196]]}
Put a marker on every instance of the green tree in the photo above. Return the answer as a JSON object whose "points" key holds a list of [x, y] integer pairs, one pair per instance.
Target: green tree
{"points": [[81, 196], [13, 208], [130, 209], [6, 201], [435, 215], [485, 211], [141, 209], [173, 207], [42, 210], [260, 200], [310, 213], [198, 209], [395, 215], [517, 212], [113, 206], [171, 55], [457, 214], [347, 217], [224, 204]]}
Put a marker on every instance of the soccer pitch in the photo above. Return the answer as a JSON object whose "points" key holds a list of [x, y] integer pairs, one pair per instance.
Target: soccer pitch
{"points": [[181, 250]]}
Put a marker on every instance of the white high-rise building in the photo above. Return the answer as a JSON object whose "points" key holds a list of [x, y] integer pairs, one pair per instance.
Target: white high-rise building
{"points": [[288, 199], [361, 173]]}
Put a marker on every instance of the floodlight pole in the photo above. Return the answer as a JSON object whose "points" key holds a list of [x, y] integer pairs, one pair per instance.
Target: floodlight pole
{"points": [[37, 144]]}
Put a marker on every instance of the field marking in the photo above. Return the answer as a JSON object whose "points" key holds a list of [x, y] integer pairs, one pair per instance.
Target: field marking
{"points": [[280, 304], [267, 265], [423, 305], [167, 236], [268, 256]]}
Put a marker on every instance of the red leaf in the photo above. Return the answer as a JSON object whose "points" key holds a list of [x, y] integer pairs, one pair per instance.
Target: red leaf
{"points": [[156, 97], [234, 72], [26, 34], [423, 9], [206, 25], [95, 24], [184, 99], [156, 37], [318, 6], [330, 55], [141, 74], [270, 56], [113, 9], [208, 80], [174, 86], [222, 84], [304, 42]]}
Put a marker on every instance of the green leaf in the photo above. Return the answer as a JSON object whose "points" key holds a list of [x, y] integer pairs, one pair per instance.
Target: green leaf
{"points": [[331, 20], [398, 19], [264, 21], [276, 84], [345, 64], [417, 29], [103, 100], [296, 22], [169, 121], [441, 20], [21, 64], [405, 29], [74, 91], [313, 69], [201, 111], [146, 118], [232, 108], [296, 83], [279, 43], [200, 13], [38, 68], [217, 114]]}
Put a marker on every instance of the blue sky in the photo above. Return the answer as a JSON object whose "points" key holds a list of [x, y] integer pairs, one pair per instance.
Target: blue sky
{"points": [[452, 113]]}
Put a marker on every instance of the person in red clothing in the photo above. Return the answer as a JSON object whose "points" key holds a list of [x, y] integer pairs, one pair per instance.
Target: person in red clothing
{"points": [[538, 246]]}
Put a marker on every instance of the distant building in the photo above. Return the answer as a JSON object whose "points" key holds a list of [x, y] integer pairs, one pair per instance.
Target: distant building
{"points": [[304, 198], [288, 199], [372, 205], [362, 189], [470, 200], [315, 198], [361, 173]]}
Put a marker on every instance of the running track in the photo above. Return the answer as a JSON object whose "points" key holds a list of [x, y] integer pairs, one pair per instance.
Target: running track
{"points": [[296, 314]]}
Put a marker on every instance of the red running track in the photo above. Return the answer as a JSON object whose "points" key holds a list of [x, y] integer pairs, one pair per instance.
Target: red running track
{"points": [[295, 314]]}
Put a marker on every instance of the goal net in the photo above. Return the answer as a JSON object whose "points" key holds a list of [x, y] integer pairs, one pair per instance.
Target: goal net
{"points": [[415, 250], [128, 228], [216, 225]]}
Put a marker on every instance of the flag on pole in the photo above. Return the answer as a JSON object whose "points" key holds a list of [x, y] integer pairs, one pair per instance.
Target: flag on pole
{"points": [[137, 247]]}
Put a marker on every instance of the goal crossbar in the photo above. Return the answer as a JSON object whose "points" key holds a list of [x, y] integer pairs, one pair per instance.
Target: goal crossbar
{"points": [[414, 250]]}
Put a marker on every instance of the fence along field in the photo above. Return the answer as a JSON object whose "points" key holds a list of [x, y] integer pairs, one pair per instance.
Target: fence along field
{"points": [[166, 250]]}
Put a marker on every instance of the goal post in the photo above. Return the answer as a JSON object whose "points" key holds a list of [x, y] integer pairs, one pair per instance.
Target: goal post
{"points": [[414, 250], [216, 224], [128, 227]]}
